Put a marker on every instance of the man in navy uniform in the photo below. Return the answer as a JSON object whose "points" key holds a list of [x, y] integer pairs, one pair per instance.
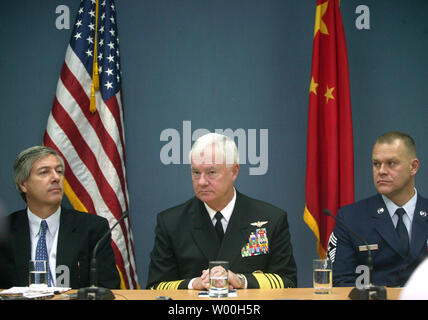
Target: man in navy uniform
{"points": [[394, 222], [220, 223]]}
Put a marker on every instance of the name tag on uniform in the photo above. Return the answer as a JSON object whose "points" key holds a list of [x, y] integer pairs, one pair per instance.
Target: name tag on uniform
{"points": [[371, 246]]}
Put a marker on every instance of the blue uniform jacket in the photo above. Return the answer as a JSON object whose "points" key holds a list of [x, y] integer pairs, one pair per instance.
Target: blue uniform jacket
{"points": [[370, 219]]}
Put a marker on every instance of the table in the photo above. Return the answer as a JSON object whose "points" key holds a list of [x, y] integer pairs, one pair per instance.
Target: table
{"points": [[249, 304], [338, 293]]}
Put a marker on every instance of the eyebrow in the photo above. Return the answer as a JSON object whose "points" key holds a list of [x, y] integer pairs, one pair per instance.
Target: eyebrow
{"points": [[207, 169], [48, 167], [386, 160]]}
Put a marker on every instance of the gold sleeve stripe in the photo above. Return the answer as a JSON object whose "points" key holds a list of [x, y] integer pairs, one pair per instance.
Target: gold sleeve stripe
{"points": [[262, 280], [281, 282], [269, 280], [169, 285], [276, 280]]}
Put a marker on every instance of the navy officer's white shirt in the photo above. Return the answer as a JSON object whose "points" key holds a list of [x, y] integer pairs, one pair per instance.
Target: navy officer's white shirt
{"points": [[51, 237], [409, 207], [226, 212]]}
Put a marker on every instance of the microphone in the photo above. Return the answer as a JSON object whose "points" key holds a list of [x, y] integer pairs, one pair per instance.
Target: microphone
{"points": [[94, 292], [375, 292]]}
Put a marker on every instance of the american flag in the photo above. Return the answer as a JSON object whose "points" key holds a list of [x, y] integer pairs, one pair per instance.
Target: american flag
{"points": [[88, 131]]}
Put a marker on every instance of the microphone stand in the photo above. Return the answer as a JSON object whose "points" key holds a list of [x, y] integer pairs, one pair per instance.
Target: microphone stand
{"points": [[94, 292], [369, 291]]}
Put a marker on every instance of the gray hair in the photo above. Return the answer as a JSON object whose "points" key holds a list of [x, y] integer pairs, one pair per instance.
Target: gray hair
{"points": [[25, 160], [222, 143]]}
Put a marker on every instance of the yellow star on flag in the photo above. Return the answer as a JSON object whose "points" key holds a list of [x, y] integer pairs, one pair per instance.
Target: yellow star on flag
{"points": [[329, 94], [313, 86], [319, 24]]}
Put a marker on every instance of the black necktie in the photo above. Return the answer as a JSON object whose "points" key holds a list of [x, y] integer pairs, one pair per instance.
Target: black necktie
{"points": [[403, 235], [218, 226]]}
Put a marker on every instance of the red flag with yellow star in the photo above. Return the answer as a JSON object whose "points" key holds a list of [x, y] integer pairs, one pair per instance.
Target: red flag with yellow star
{"points": [[330, 155]]}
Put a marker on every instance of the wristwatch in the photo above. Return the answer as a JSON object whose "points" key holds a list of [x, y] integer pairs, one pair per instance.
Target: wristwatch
{"points": [[243, 280]]}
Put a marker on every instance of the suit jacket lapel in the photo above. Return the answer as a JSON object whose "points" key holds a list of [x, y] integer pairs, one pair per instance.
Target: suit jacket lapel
{"points": [[22, 245], [237, 231], [66, 238], [419, 227], [384, 225], [203, 231]]}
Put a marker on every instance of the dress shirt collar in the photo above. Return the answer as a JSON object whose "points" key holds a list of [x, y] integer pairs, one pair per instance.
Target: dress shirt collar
{"points": [[52, 221], [226, 211], [409, 206]]}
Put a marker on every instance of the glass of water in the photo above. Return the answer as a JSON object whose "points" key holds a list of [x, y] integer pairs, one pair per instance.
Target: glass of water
{"points": [[323, 276], [219, 281], [38, 275]]}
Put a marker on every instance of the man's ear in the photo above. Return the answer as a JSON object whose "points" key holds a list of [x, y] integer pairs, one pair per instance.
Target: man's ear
{"points": [[22, 187], [414, 163], [235, 171]]}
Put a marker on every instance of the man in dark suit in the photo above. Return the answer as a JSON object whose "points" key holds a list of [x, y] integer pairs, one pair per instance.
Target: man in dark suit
{"points": [[394, 222], [70, 236], [220, 223]]}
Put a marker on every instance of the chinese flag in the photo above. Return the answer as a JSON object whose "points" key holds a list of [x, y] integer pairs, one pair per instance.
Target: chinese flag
{"points": [[330, 155]]}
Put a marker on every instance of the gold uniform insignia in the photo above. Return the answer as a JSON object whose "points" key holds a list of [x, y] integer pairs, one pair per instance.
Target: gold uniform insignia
{"points": [[258, 224]]}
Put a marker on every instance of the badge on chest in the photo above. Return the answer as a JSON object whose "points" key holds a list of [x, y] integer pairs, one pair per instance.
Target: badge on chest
{"points": [[258, 244]]}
